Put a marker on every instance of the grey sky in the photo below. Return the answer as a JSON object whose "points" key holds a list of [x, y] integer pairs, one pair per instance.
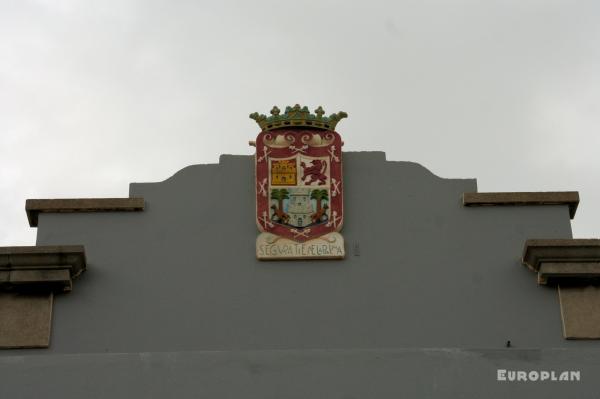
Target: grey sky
{"points": [[94, 95]]}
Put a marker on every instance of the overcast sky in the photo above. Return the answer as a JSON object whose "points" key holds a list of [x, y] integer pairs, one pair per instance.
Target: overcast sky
{"points": [[94, 95]]}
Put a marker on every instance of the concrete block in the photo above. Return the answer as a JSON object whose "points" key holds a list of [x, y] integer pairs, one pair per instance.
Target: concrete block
{"points": [[580, 311], [25, 320]]}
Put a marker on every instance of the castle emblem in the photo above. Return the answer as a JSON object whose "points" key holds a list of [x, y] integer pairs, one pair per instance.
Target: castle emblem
{"points": [[283, 172], [299, 192]]}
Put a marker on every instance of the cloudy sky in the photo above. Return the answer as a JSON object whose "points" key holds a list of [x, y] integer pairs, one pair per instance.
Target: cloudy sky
{"points": [[97, 94]]}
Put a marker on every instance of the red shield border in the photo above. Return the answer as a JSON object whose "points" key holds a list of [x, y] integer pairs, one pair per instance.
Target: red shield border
{"points": [[285, 143]]}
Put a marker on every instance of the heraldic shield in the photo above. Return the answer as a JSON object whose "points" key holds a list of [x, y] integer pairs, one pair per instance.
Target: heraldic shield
{"points": [[299, 188]]}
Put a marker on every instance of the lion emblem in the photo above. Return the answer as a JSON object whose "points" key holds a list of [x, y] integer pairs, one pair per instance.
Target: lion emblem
{"points": [[315, 172]]}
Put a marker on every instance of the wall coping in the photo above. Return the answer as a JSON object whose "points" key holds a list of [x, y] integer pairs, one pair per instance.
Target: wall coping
{"points": [[34, 207], [570, 198]]}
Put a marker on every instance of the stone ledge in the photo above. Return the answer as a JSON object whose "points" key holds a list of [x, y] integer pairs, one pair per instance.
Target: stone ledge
{"points": [[570, 198], [40, 268], [34, 207], [573, 265], [563, 258], [29, 278], [569, 273]]}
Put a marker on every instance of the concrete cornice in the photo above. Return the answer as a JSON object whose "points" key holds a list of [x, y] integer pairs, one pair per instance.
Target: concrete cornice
{"points": [[40, 268], [570, 198], [29, 278], [573, 265], [34, 207], [539, 251]]}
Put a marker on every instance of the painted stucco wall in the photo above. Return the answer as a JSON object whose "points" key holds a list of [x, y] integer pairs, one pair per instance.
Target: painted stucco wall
{"points": [[421, 271], [299, 374]]}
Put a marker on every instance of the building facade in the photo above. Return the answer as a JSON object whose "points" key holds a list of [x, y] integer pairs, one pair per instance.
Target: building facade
{"points": [[443, 292]]}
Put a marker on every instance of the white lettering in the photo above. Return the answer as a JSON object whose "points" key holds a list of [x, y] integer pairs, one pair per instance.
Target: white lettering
{"points": [[564, 376], [537, 375], [533, 375], [575, 375], [501, 375]]}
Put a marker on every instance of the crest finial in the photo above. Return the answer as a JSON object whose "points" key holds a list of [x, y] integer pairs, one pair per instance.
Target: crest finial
{"points": [[319, 111], [297, 116]]}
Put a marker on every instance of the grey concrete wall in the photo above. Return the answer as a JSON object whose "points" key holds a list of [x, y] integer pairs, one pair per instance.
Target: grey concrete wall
{"points": [[429, 272], [422, 271], [294, 374]]}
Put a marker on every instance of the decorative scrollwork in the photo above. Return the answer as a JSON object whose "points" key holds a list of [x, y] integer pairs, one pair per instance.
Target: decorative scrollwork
{"points": [[279, 140], [316, 140]]}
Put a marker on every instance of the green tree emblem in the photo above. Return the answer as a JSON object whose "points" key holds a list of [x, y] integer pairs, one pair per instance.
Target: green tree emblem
{"points": [[319, 196]]}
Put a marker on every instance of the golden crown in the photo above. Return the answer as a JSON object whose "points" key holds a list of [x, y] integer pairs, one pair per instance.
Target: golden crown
{"points": [[297, 116]]}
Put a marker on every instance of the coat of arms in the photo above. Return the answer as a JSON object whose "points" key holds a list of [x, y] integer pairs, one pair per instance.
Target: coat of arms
{"points": [[299, 192]]}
